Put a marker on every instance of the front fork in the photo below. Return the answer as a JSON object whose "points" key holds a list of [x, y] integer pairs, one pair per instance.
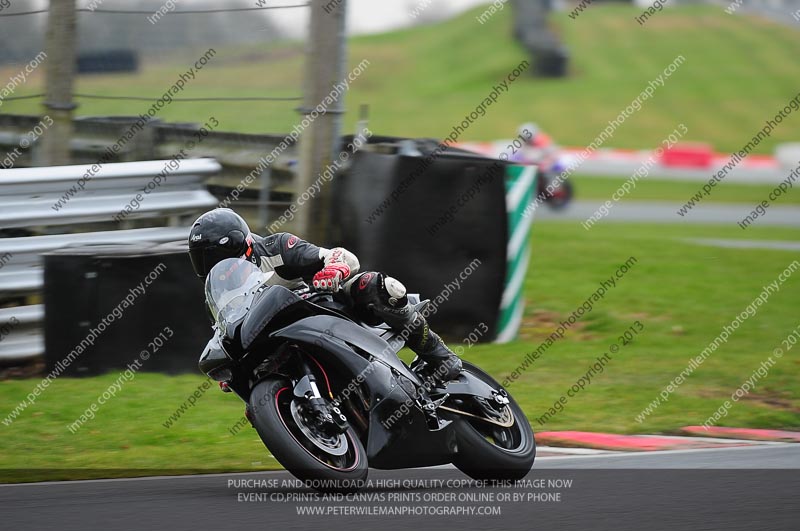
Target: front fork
{"points": [[328, 416]]}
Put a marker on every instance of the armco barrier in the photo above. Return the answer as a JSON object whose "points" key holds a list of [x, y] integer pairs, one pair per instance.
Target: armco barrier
{"points": [[27, 197]]}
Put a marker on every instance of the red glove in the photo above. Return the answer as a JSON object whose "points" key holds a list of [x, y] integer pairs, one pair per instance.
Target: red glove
{"points": [[331, 276]]}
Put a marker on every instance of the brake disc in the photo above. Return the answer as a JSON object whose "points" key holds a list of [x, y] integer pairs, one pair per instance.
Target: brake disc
{"points": [[506, 419], [332, 444]]}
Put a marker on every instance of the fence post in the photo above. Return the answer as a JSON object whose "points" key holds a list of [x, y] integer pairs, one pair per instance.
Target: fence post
{"points": [[60, 71], [325, 67]]}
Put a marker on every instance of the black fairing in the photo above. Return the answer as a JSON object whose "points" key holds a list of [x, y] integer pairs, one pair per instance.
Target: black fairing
{"points": [[334, 330], [269, 304], [389, 448], [213, 356]]}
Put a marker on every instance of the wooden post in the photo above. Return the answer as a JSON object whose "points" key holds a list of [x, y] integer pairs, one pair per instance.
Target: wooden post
{"points": [[325, 67], [60, 46]]}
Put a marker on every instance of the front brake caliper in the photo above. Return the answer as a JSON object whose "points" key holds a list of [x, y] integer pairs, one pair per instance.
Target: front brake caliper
{"points": [[328, 417]]}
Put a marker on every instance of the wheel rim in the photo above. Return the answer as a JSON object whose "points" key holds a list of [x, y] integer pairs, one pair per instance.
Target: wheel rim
{"points": [[338, 453], [509, 439]]}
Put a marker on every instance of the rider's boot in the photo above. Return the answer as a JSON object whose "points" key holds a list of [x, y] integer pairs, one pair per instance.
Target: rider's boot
{"points": [[442, 363]]}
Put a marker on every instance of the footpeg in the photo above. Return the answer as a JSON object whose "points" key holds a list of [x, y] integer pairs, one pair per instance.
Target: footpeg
{"points": [[429, 408]]}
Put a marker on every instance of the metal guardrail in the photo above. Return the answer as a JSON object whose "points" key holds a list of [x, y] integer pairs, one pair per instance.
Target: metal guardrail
{"points": [[237, 153], [23, 272], [27, 196], [25, 339]]}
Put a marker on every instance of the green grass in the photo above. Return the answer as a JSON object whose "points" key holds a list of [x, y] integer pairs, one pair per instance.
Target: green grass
{"points": [[647, 189], [127, 432], [683, 294], [739, 71]]}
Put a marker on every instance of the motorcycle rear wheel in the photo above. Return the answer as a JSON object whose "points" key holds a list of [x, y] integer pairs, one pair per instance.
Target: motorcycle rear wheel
{"points": [[561, 196], [489, 451]]}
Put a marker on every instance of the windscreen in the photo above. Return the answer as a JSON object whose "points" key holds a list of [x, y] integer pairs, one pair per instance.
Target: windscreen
{"points": [[230, 287]]}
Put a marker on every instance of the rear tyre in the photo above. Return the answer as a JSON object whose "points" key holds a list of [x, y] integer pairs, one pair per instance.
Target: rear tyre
{"points": [[326, 463], [561, 196], [489, 451]]}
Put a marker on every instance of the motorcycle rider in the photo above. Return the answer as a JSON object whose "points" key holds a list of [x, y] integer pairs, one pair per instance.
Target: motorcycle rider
{"points": [[537, 145], [373, 296]]}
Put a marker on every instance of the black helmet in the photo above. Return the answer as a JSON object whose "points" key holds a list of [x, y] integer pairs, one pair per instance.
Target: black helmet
{"points": [[216, 235]]}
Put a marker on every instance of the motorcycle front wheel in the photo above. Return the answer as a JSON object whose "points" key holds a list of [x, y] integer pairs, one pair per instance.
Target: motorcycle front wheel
{"points": [[325, 462]]}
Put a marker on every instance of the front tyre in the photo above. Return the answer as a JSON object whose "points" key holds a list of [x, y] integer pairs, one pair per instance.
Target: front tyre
{"points": [[489, 451], [326, 463]]}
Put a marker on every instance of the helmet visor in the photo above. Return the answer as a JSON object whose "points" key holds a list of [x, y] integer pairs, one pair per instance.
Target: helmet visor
{"points": [[204, 258]]}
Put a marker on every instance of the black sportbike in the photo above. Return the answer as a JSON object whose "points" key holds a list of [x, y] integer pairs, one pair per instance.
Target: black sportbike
{"points": [[329, 396]]}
